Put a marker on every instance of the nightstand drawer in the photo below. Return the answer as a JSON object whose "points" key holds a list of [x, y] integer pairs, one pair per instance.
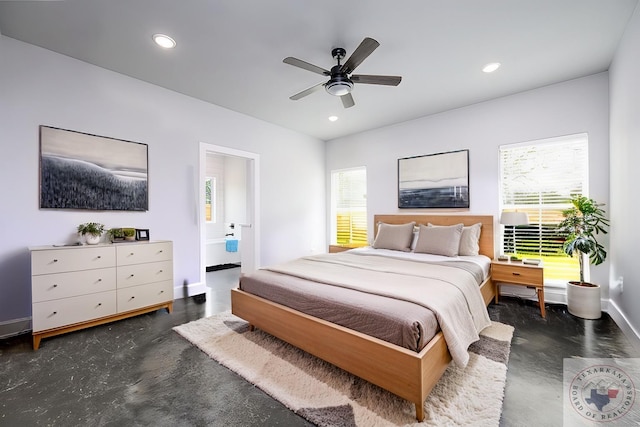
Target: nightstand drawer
{"points": [[510, 273]]}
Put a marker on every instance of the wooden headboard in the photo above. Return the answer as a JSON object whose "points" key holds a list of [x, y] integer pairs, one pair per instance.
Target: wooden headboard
{"points": [[486, 234]]}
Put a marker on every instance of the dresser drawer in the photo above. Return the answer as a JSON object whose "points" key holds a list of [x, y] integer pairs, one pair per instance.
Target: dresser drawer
{"points": [[67, 311], [517, 274], [128, 254], [76, 259], [138, 274], [63, 285], [135, 297]]}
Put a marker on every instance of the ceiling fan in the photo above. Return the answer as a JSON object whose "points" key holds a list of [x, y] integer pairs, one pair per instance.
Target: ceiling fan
{"points": [[341, 80]]}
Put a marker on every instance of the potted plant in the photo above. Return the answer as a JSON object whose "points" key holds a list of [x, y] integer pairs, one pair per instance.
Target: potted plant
{"points": [[581, 224], [116, 234], [129, 233], [91, 231]]}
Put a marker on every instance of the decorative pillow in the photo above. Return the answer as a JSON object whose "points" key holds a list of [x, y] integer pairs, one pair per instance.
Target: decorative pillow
{"points": [[469, 242], [394, 236], [439, 239]]}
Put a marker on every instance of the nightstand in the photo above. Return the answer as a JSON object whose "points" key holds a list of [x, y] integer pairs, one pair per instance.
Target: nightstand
{"points": [[531, 276], [341, 248]]}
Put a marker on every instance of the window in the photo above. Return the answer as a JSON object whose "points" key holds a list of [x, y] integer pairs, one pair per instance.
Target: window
{"points": [[349, 206], [210, 199], [540, 178]]}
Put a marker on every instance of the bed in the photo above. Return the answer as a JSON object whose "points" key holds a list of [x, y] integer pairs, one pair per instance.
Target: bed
{"points": [[408, 373]]}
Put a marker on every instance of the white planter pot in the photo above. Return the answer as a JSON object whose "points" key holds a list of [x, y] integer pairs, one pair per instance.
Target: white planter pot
{"points": [[91, 239], [584, 301]]}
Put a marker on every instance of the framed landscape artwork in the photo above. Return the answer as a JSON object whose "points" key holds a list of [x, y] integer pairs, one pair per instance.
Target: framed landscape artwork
{"points": [[83, 171], [434, 181]]}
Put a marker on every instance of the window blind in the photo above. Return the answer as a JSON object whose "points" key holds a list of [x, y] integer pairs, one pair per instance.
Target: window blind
{"points": [[540, 178], [349, 206]]}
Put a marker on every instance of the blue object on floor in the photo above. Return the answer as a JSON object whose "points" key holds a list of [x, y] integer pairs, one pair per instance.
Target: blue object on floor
{"points": [[232, 245]]}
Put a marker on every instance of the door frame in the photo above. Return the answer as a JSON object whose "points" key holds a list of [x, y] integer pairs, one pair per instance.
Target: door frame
{"points": [[250, 244]]}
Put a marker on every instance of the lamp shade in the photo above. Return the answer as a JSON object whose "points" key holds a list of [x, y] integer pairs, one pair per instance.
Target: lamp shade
{"points": [[514, 218]]}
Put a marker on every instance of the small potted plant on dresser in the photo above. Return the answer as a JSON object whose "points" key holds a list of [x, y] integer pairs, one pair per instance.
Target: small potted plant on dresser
{"points": [[116, 234], [91, 232], [129, 233], [581, 224]]}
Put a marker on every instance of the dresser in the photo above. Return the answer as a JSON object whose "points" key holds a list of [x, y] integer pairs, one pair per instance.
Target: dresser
{"points": [[76, 287]]}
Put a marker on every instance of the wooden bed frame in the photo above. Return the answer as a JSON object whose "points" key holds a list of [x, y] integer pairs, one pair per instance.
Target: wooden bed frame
{"points": [[403, 372]]}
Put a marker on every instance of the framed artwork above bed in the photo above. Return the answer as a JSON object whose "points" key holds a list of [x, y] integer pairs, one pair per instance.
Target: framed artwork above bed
{"points": [[438, 180]]}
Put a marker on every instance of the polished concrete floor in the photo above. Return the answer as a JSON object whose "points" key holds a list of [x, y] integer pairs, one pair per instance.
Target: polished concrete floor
{"points": [[138, 372]]}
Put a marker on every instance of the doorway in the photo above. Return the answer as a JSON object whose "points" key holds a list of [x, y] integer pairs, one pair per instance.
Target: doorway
{"points": [[234, 219]]}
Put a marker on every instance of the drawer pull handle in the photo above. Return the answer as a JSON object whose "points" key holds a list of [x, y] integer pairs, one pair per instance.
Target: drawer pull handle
{"points": [[55, 286], [131, 275], [55, 260], [99, 304], [55, 312], [133, 297], [515, 274], [161, 271], [161, 251], [99, 280], [99, 256]]}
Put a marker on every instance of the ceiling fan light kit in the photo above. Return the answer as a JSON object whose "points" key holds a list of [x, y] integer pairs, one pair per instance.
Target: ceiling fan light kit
{"points": [[340, 82], [339, 86]]}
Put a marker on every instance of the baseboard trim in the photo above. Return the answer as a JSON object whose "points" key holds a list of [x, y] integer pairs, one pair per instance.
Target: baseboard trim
{"points": [[189, 290], [621, 320], [15, 327]]}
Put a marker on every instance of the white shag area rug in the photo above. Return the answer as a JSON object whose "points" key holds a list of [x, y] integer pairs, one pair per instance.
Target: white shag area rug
{"points": [[328, 396]]}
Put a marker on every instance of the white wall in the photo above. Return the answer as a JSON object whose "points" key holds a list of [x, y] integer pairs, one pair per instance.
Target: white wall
{"points": [[625, 154], [571, 107], [39, 87]]}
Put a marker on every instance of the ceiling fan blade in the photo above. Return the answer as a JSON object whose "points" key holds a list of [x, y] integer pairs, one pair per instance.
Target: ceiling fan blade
{"points": [[376, 80], [347, 100], [307, 91], [361, 53], [306, 66]]}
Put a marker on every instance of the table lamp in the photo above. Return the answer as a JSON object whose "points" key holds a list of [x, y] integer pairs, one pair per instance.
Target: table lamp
{"points": [[512, 219]]}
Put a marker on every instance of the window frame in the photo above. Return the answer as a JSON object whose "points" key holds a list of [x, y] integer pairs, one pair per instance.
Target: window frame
{"points": [[362, 210], [543, 216]]}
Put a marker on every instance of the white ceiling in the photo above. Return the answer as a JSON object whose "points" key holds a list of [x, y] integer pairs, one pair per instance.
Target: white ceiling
{"points": [[230, 52]]}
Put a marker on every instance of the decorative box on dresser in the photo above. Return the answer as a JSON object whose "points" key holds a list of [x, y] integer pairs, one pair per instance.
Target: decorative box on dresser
{"points": [[76, 287]]}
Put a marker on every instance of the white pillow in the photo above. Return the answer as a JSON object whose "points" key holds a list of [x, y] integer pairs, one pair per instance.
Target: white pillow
{"points": [[394, 236], [439, 239], [469, 242]]}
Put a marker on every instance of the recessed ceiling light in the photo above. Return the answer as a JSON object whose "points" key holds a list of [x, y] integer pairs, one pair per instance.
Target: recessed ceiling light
{"points": [[333, 118], [491, 67], [164, 41]]}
